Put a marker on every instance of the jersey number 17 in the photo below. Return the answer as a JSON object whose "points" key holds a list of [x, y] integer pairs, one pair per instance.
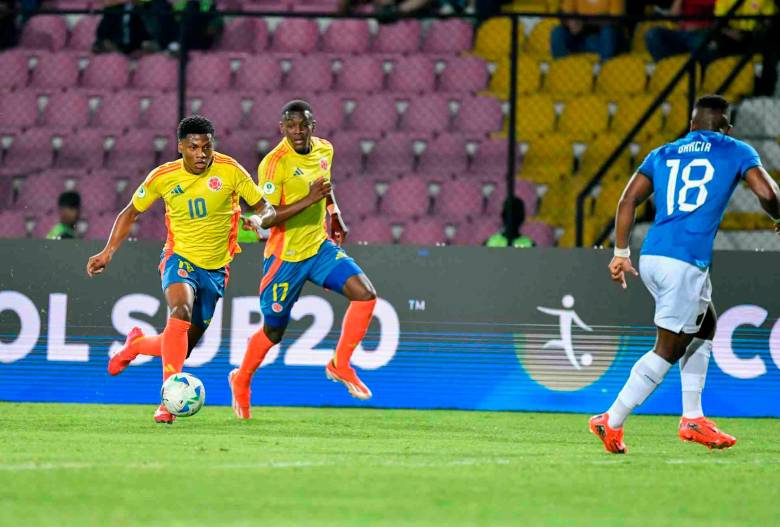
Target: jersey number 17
{"points": [[683, 198]]}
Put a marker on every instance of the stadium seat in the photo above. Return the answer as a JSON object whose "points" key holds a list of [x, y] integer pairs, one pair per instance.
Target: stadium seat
{"points": [[477, 231], [392, 155], [69, 109], [451, 36], [83, 35], [548, 159], [33, 149], [259, 73], [313, 73], [376, 113], [720, 69], [118, 111], [356, 198], [445, 154], [295, 35], [156, 72], [541, 233], [98, 194], [47, 32], [39, 193], [107, 71], [623, 75], [346, 36], [13, 224], [528, 77], [535, 116], [85, 149], [208, 71], [570, 76], [412, 75], [478, 116], [493, 39], [678, 118], [666, 69], [315, 6], [428, 114], [538, 42], [244, 147], [163, 112], [458, 198], [19, 109], [224, 110], [152, 227], [407, 197], [136, 150], [265, 113], [361, 75], [348, 147], [55, 71], [463, 75], [400, 37], [769, 151], [584, 117], [373, 229], [630, 110], [15, 70], [599, 150], [491, 156], [244, 34], [425, 231]]}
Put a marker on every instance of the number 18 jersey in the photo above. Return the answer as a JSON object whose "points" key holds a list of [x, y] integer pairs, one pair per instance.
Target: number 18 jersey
{"points": [[693, 179]]}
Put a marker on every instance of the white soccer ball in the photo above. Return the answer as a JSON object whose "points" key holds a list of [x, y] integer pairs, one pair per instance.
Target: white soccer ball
{"points": [[183, 394]]}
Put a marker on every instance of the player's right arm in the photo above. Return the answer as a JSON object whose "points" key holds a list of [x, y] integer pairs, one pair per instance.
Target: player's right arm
{"points": [[639, 188], [766, 190], [143, 198]]}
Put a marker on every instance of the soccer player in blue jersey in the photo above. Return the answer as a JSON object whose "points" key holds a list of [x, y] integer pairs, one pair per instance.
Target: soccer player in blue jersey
{"points": [[693, 179]]}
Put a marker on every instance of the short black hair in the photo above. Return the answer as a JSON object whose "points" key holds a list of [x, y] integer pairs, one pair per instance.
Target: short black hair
{"points": [[69, 199], [296, 106], [194, 124], [712, 102]]}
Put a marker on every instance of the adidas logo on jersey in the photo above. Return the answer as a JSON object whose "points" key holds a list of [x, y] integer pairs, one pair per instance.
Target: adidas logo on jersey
{"points": [[298, 172], [177, 190]]}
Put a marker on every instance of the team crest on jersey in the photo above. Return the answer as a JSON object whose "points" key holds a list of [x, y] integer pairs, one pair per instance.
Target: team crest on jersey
{"points": [[183, 273], [269, 188], [324, 163], [215, 183], [277, 307]]}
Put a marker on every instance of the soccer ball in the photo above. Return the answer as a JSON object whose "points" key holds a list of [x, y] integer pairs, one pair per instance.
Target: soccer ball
{"points": [[183, 394]]}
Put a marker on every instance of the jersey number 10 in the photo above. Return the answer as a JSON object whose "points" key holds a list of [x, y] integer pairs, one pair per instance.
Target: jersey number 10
{"points": [[197, 208], [683, 198]]}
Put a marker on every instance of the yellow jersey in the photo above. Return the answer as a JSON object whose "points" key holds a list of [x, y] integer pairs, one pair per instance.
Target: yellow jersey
{"points": [[285, 176], [201, 211]]}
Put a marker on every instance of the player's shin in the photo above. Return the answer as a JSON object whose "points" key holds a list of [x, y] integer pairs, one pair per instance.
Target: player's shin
{"points": [[693, 374], [256, 350], [174, 346], [151, 346], [646, 375], [354, 328]]}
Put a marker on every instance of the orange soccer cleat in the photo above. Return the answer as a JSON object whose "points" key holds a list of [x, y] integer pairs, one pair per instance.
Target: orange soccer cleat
{"points": [[241, 396], [702, 430], [611, 437], [348, 378], [122, 360], [163, 416]]}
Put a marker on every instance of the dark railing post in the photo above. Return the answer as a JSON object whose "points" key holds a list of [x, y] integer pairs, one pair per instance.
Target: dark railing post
{"points": [[512, 146], [692, 85], [183, 58]]}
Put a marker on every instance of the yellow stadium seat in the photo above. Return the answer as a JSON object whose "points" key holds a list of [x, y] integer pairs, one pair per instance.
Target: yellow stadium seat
{"points": [[548, 159], [570, 76], [638, 41], [538, 42], [678, 118], [744, 221], [666, 69], [527, 6], [598, 151], [528, 77], [720, 69], [624, 75], [493, 39], [584, 117], [630, 110], [535, 116]]}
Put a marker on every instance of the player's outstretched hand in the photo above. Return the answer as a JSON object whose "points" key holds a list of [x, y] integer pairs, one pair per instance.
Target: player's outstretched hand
{"points": [[319, 189], [338, 229], [618, 268], [98, 263]]}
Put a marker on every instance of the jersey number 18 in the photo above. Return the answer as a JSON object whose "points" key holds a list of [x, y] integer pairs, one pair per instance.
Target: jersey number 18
{"points": [[690, 187]]}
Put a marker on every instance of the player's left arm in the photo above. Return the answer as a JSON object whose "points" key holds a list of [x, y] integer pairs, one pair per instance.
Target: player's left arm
{"points": [[338, 229], [639, 188]]}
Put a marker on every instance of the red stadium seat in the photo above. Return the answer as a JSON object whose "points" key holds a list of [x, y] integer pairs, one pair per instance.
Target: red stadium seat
{"points": [[69, 109], [33, 149], [163, 112], [373, 229], [83, 35], [296, 35], [361, 75], [157, 72], [479, 115], [224, 110], [118, 111], [374, 113], [259, 73], [445, 154], [477, 231], [14, 65], [346, 36], [407, 197], [541, 233], [108, 71], [425, 231], [329, 112], [265, 114], [400, 37], [309, 74], [464, 75], [491, 155], [55, 70], [243, 146], [13, 223], [356, 198], [19, 109], [208, 71], [393, 154], [412, 75], [448, 37], [460, 197], [48, 32], [39, 193], [428, 113], [244, 34], [349, 151], [135, 151], [85, 149]]}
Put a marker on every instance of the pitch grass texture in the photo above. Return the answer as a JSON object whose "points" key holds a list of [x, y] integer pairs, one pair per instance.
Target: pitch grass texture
{"points": [[84, 465]]}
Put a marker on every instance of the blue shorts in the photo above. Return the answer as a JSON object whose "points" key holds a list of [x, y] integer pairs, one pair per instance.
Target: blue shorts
{"points": [[209, 286], [283, 281]]}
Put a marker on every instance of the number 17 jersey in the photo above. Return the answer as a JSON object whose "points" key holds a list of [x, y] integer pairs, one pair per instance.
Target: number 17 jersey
{"points": [[693, 180]]}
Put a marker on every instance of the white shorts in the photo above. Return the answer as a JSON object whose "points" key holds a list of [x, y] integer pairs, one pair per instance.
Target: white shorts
{"points": [[682, 292]]}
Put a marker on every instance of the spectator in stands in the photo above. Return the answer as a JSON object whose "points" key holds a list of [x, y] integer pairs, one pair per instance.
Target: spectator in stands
{"points": [[513, 216], [121, 28], [576, 35], [664, 42], [69, 204], [8, 29], [199, 23]]}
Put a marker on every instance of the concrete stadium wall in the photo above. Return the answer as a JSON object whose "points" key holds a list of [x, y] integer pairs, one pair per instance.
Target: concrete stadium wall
{"points": [[470, 328]]}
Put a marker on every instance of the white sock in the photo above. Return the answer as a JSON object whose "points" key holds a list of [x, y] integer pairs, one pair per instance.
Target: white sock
{"points": [[646, 375], [693, 374]]}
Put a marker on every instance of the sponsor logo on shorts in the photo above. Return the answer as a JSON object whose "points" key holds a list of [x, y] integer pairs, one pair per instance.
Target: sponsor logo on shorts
{"points": [[269, 188], [276, 307], [183, 273], [324, 163], [215, 184]]}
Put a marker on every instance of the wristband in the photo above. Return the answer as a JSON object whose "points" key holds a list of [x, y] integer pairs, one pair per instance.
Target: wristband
{"points": [[622, 253], [333, 209]]}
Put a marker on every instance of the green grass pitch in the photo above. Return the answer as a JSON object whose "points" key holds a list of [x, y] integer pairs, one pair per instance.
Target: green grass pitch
{"points": [[85, 465]]}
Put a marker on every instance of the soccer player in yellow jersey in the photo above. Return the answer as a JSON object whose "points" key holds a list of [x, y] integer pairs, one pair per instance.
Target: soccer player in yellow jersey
{"points": [[201, 192], [295, 178]]}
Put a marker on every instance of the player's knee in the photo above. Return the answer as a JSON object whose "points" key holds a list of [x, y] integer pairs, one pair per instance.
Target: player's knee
{"points": [[182, 312], [366, 294]]}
